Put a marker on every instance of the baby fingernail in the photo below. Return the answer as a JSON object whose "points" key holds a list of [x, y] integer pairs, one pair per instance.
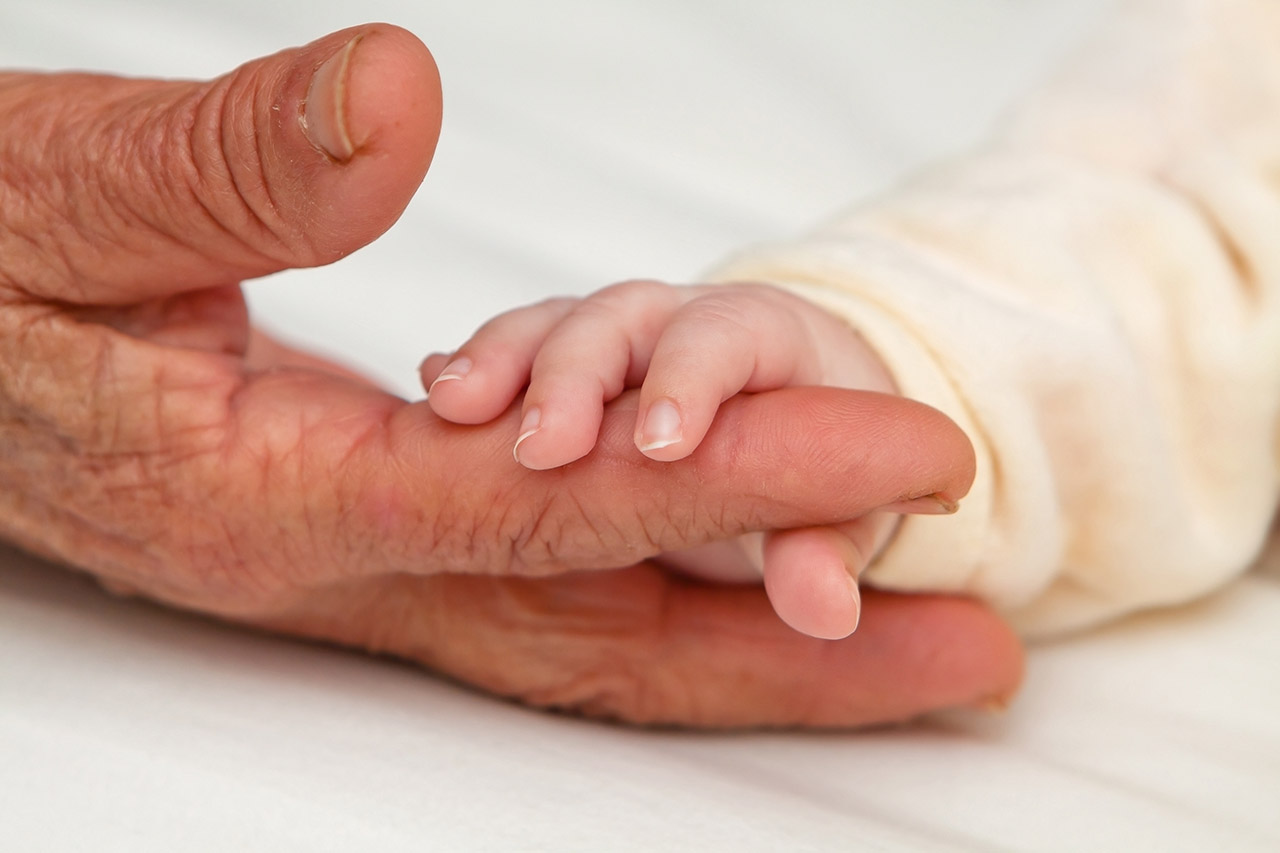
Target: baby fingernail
{"points": [[661, 426], [456, 369], [528, 426], [927, 505]]}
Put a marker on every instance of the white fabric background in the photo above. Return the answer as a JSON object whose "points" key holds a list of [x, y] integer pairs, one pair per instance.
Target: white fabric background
{"points": [[583, 143]]}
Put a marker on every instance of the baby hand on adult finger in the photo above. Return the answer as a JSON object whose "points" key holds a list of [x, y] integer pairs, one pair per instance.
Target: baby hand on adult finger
{"points": [[149, 437]]}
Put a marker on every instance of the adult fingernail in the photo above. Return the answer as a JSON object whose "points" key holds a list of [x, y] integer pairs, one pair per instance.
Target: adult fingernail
{"points": [[661, 426], [324, 117], [857, 604], [994, 704], [454, 370], [532, 421], [927, 505]]}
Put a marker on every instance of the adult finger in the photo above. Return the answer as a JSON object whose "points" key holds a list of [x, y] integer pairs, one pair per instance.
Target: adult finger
{"points": [[116, 190], [787, 458], [641, 646], [221, 490]]}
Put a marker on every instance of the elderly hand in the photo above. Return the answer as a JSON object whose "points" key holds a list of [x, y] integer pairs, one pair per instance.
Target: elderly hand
{"points": [[150, 438]]}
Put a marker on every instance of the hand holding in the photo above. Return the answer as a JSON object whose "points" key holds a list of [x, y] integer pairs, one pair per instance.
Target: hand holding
{"points": [[148, 436]]}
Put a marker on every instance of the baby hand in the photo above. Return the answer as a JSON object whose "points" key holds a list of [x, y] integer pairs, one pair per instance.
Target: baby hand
{"points": [[688, 348]]}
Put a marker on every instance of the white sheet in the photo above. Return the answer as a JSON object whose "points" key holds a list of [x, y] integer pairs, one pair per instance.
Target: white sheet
{"points": [[586, 142]]}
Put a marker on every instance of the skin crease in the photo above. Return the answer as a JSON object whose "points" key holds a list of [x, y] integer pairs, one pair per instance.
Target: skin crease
{"points": [[149, 436]]}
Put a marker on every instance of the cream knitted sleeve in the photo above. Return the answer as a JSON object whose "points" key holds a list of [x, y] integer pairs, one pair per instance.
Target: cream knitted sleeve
{"points": [[1093, 297]]}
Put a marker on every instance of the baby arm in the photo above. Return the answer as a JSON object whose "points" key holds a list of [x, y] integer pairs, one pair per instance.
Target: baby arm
{"points": [[688, 349], [1094, 297]]}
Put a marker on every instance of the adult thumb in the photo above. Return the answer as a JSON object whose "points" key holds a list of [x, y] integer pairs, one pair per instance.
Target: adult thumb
{"points": [[118, 190]]}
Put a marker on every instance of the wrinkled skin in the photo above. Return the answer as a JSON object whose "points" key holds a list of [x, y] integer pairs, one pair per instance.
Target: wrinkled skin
{"points": [[149, 436]]}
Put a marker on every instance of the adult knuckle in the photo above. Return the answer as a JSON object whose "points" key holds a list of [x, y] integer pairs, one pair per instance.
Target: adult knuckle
{"points": [[213, 139], [556, 533], [551, 530], [498, 531], [45, 200]]}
